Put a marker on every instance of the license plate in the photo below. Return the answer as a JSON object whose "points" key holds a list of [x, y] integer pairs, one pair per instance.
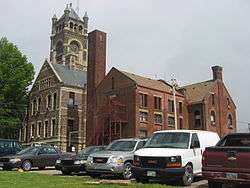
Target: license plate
{"points": [[151, 173], [231, 175]]}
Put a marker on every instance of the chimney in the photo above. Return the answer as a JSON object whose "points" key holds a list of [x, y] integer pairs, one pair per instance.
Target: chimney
{"points": [[217, 73], [96, 72]]}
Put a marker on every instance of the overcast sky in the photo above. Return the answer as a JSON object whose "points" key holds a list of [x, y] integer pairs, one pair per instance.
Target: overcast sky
{"points": [[155, 38]]}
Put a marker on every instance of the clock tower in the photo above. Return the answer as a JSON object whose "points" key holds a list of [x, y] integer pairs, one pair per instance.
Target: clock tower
{"points": [[69, 38]]}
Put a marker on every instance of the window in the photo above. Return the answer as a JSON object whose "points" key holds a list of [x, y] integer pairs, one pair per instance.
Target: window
{"points": [[32, 130], [49, 101], [143, 116], [113, 83], [171, 121], [71, 101], [53, 127], [158, 118], [157, 103], [39, 129], [39, 104], [213, 118], [54, 100], [213, 99], [195, 141], [34, 107], [143, 133], [228, 102], [46, 129], [170, 106], [49, 151], [181, 123], [180, 107], [143, 100], [230, 121], [140, 145], [197, 117]]}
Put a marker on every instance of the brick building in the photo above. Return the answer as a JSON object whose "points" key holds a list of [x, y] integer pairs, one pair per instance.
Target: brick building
{"points": [[57, 101], [123, 104]]}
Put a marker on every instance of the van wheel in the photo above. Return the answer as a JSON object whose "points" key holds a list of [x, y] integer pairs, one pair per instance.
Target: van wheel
{"points": [[212, 184], [127, 173], [188, 176], [26, 166]]}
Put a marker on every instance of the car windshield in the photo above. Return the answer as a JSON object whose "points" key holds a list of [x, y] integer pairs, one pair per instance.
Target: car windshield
{"points": [[169, 140], [30, 150], [89, 150], [122, 145]]}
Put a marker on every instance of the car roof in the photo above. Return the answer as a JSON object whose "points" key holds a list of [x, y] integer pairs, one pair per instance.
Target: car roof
{"points": [[130, 139], [185, 131]]}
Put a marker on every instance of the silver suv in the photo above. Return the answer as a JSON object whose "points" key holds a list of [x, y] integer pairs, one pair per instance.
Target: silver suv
{"points": [[116, 159]]}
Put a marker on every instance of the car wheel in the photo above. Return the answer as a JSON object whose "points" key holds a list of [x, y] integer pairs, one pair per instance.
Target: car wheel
{"points": [[26, 166], [41, 168], [127, 173], [188, 176], [65, 172], [141, 180], [6, 168], [94, 175], [212, 184]]}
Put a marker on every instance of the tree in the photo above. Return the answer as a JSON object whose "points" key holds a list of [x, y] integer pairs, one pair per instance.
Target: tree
{"points": [[16, 74]]}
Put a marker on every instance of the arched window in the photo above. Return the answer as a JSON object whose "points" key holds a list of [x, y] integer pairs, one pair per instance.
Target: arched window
{"points": [[229, 121], [213, 118], [80, 28], [71, 25], [74, 46], [197, 116], [59, 47]]}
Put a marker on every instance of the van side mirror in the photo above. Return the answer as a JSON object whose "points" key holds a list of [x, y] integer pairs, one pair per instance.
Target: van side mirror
{"points": [[195, 144]]}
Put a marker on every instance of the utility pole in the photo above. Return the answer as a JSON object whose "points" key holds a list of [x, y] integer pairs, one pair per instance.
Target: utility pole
{"points": [[174, 85]]}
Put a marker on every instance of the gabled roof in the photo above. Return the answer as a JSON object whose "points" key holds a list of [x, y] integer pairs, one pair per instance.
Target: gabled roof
{"points": [[69, 77], [73, 14], [149, 83], [197, 92]]}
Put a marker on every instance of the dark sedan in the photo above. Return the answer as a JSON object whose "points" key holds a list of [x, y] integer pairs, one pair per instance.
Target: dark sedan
{"points": [[40, 157], [76, 163]]}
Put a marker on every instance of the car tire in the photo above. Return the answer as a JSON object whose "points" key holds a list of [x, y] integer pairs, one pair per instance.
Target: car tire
{"points": [[6, 169], [141, 180], [188, 176], [94, 175], [65, 172], [213, 184], [127, 173], [26, 165], [41, 168]]}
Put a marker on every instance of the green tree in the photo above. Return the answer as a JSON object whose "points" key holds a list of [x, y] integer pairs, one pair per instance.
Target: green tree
{"points": [[16, 74]]}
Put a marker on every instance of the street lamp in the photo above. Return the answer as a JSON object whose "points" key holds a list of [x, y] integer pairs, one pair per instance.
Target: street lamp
{"points": [[174, 85]]}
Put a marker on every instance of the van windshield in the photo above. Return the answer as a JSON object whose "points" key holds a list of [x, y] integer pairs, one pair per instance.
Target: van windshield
{"points": [[169, 140]]}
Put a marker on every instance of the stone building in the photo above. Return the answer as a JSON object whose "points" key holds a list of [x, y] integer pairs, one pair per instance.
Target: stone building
{"points": [[57, 101], [123, 104]]}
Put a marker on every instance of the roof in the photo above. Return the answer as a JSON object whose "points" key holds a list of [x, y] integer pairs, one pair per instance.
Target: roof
{"points": [[185, 131], [73, 14], [149, 83], [68, 76], [197, 92]]}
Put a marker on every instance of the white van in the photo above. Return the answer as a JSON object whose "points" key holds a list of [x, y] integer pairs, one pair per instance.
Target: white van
{"points": [[172, 154]]}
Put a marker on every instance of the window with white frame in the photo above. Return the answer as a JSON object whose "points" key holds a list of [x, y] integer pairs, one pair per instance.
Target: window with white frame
{"points": [[53, 127], [143, 116], [158, 118]]}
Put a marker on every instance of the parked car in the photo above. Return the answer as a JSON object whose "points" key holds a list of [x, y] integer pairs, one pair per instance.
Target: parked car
{"points": [[172, 154], [76, 163], [228, 162], [116, 159], [40, 157], [9, 147]]}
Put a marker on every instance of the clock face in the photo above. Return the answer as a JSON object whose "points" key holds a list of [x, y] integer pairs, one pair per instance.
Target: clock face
{"points": [[74, 48]]}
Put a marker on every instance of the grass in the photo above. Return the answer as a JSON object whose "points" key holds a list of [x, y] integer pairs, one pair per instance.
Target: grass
{"points": [[35, 180]]}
